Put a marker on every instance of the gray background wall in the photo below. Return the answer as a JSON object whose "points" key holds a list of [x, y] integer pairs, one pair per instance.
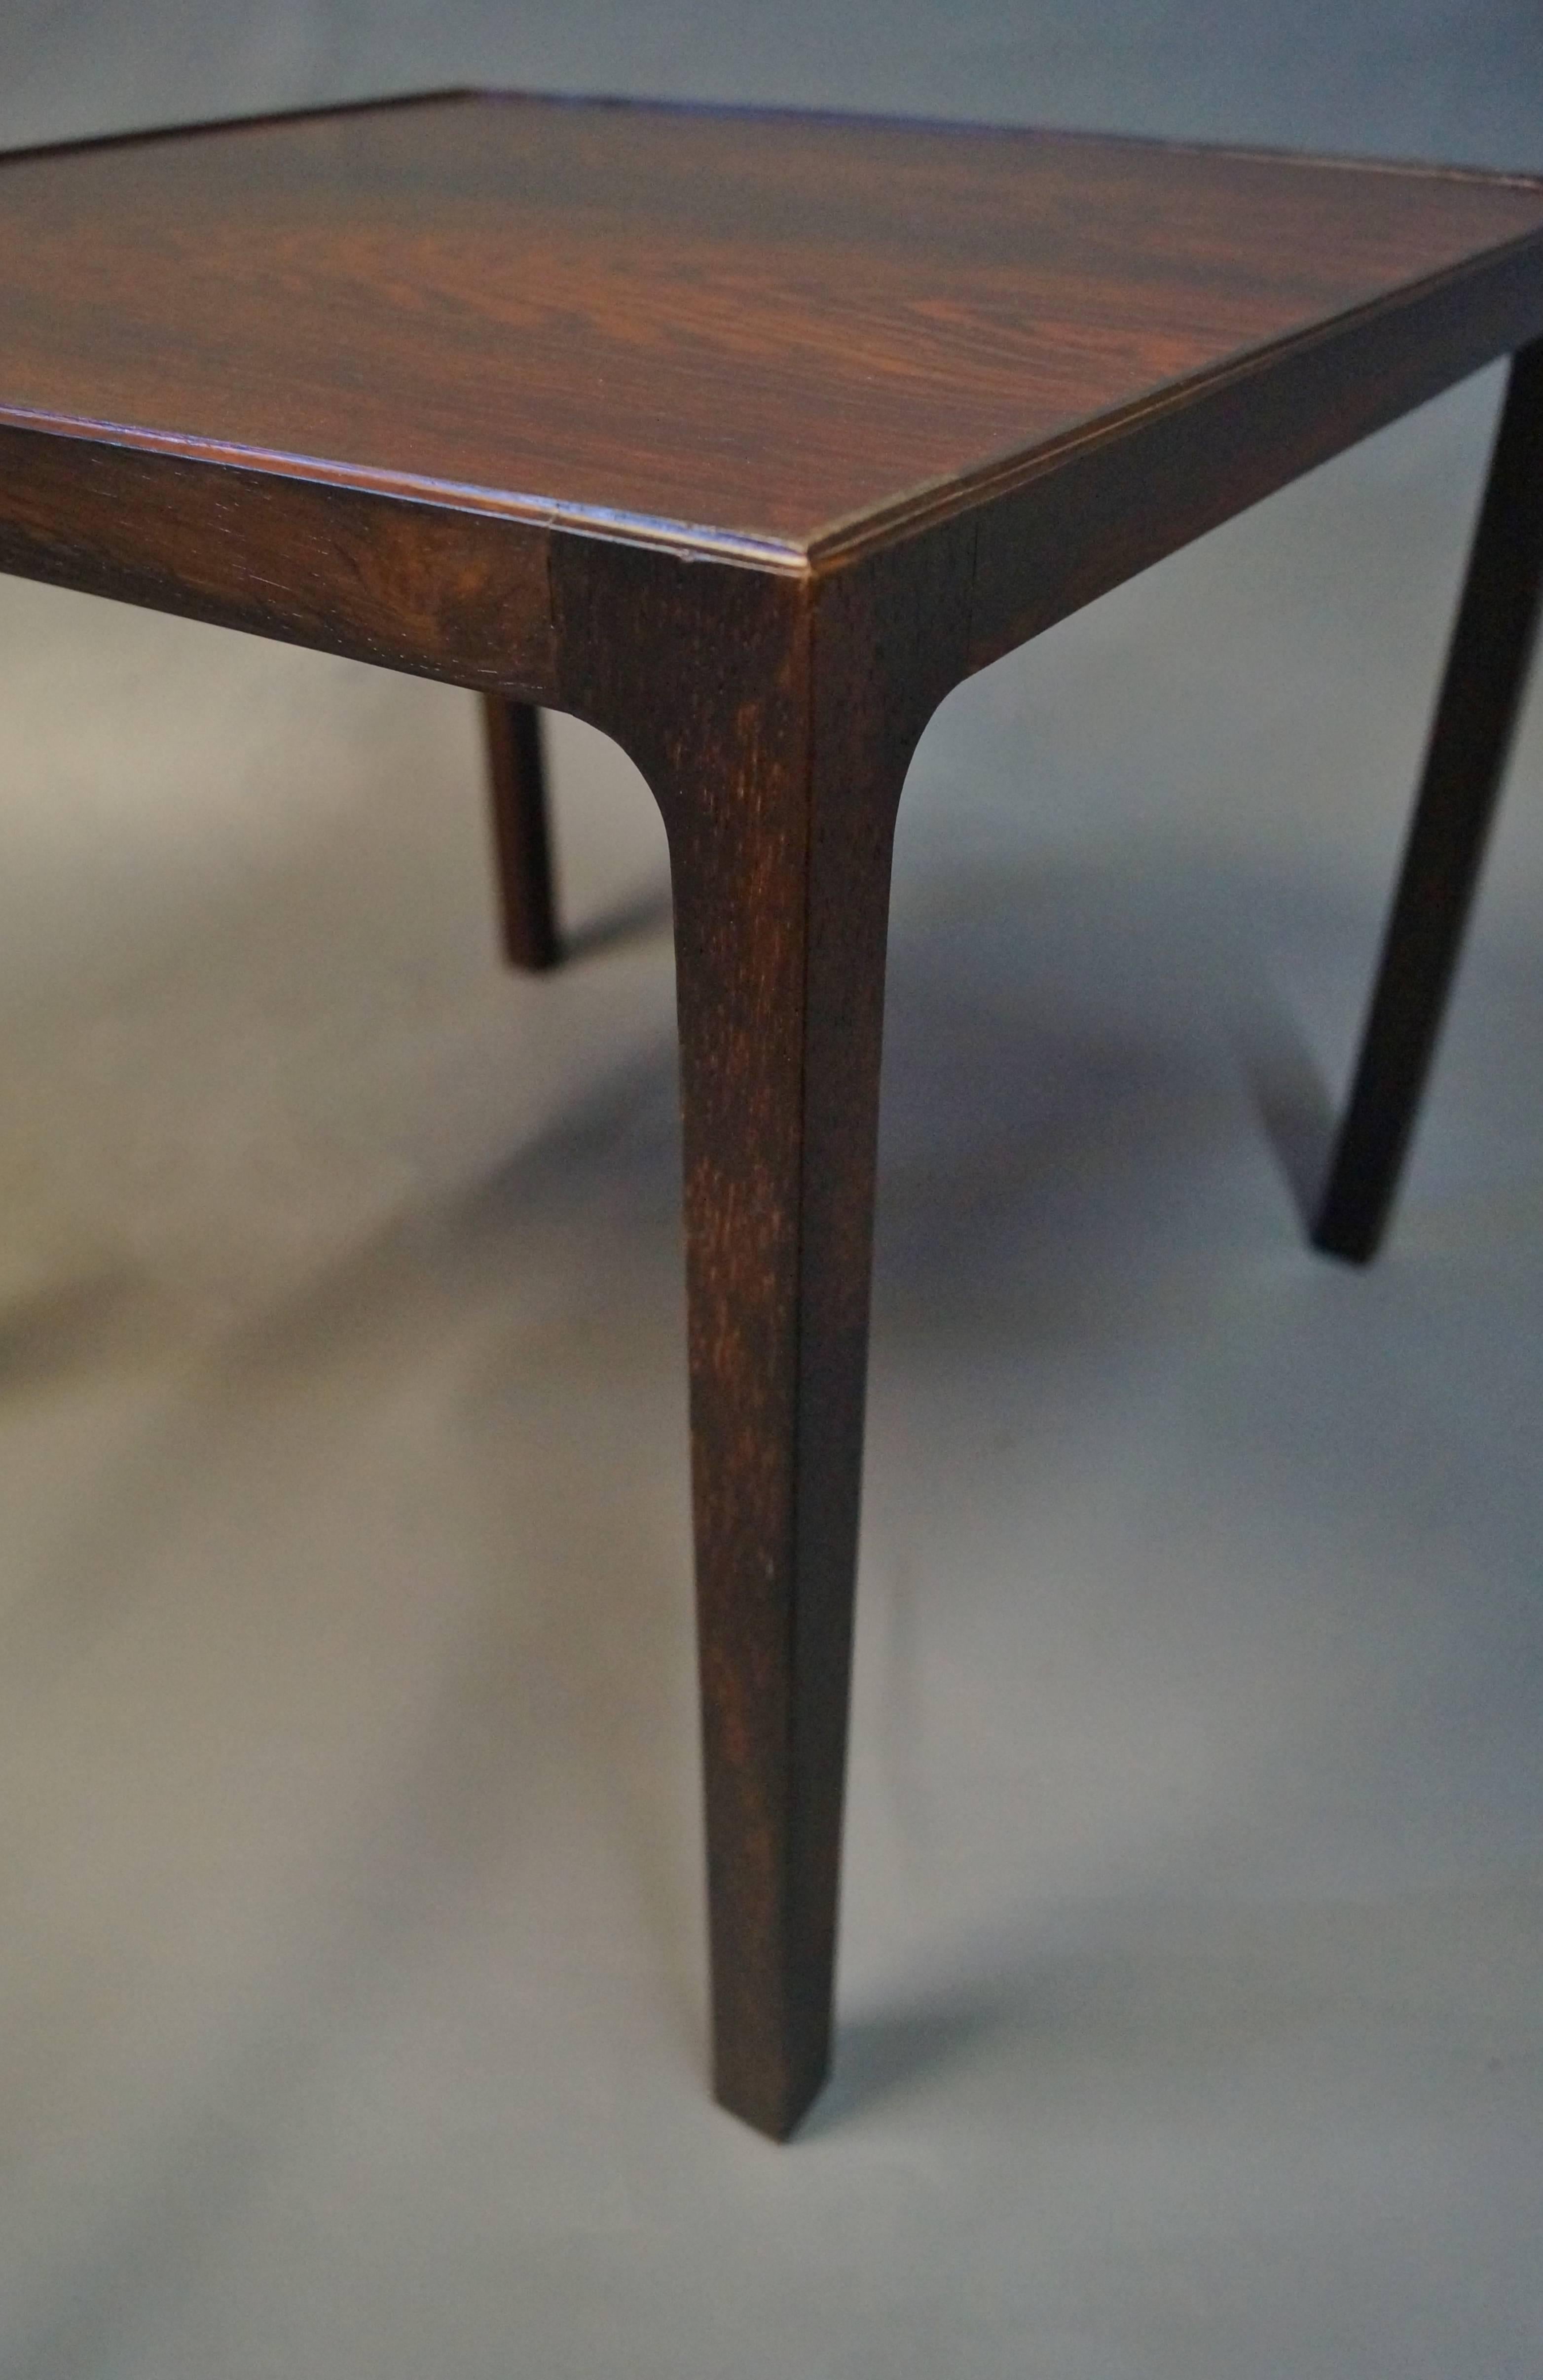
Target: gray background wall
{"points": [[352, 2001], [1415, 77]]}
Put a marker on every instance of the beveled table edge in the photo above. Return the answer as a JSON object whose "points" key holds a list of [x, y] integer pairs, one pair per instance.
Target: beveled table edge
{"points": [[851, 538], [686, 538], [448, 94]]}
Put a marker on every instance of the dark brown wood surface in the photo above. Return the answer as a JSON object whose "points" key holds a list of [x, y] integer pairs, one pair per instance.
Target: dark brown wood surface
{"points": [[744, 437], [774, 720], [521, 833], [754, 325]]}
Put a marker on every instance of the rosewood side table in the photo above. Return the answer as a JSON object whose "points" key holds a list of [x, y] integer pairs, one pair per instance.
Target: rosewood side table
{"points": [[746, 437]]}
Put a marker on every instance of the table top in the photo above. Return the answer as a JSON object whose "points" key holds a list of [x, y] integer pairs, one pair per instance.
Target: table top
{"points": [[740, 330]]}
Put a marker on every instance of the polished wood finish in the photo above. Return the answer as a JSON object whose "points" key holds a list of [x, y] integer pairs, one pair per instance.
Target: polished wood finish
{"points": [[744, 437], [522, 833], [430, 589], [774, 722], [1470, 741], [757, 326]]}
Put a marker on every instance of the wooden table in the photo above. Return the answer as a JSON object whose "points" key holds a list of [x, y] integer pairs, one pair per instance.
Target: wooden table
{"points": [[746, 437]]}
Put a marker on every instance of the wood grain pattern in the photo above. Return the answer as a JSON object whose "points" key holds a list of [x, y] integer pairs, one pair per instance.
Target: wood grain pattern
{"points": [[744, 437], [440, 592], [775, 728], [710, 696], [756, 326]]}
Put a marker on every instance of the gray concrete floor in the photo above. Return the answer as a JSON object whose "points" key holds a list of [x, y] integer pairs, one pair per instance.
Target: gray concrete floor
{"points": [[351, 1997]]}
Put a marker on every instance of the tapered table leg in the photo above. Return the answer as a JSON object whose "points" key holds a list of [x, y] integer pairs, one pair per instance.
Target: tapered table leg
{"points": [[1476, 717], [780, 946], [521, 840], [774, 723]]}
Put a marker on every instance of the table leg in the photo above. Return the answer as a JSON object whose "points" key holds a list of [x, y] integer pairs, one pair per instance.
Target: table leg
{"points": [[1482, 694], [780, 923], [774, 723], [521, 842]]}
